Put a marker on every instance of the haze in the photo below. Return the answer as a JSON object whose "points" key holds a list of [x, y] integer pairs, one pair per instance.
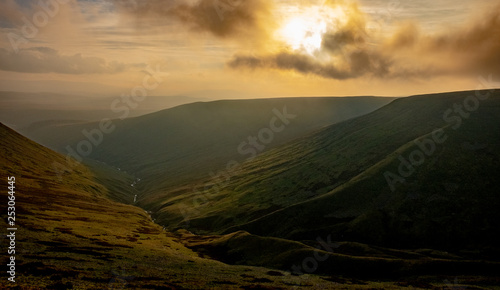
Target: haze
{"points": [[248, 49]]}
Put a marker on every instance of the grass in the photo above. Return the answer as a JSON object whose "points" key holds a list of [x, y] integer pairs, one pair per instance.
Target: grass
{"points": [[332, 181], [182, 144], [441, 224], [319, 186], [72, 236]]}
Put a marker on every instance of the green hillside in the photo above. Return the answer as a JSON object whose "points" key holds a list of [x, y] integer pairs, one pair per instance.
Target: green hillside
{"points": [[333, 182], [70, 236], [346, 262], [319, 204], [448, 200], [185, 143]]}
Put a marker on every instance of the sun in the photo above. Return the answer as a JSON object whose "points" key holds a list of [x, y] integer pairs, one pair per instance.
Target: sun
{"points": [[304, 30], [304, 33]]}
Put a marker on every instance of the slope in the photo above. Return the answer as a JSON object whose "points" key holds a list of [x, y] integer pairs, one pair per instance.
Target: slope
{"points": [[428, 188], [69, 236], [334, 181], [185, 143]]}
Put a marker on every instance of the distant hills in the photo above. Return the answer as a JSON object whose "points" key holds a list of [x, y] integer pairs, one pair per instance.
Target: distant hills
{"points": [[188, 142], [30, 110]]}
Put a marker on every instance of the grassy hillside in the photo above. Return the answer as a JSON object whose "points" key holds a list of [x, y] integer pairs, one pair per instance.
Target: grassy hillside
{"points": [[333, 182], [71, 237], [326, 186], [342, 259], [448, 201], [185, 143]]}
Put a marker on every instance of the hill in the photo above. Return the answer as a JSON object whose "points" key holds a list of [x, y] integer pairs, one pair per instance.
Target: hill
{"points": [[70, 236], [414, 173], [182, 144], [25, 111], [332, 196]]}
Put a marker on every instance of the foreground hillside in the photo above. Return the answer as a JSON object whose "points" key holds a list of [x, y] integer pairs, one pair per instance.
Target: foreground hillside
{"points": [[69, 236]]}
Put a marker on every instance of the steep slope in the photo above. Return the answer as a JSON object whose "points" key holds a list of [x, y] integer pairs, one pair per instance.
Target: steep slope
{"points": [[182, 144], [334, 181], [428, 188], [69, 236]]}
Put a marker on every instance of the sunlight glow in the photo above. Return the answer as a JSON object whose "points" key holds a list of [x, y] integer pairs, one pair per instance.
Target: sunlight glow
{"points": [[305, 30]]}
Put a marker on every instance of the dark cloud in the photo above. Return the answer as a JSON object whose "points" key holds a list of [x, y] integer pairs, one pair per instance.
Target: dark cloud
{"points": [[479, 45], [222, 18], [10, 14], [48, 60], [409, 53], [344, 45], [334, 41], [359, 63], [352, 33]]}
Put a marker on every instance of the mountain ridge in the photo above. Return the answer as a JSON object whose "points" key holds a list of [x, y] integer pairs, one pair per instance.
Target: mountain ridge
{"points": [[186, 142], [244, 188]]}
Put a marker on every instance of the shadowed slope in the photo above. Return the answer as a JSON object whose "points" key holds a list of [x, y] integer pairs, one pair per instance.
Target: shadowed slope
{"points": [[70, 236], [333, 182], [447, 198], [182, 144]]}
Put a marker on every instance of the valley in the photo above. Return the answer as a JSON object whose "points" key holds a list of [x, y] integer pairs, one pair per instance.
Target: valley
{"points": [[291, 193]]}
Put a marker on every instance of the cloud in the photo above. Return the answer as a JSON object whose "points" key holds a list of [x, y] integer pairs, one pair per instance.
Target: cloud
{"points": [[343, 53], [10, 14], [48, 60], [474, 49], [221, 18], [360, 63], [351, 33], [349, 51]]}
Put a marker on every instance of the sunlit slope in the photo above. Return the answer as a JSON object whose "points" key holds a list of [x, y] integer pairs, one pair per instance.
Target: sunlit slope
{"points": [[71, 237], [334, 181], [67, 228], [188, 142]]}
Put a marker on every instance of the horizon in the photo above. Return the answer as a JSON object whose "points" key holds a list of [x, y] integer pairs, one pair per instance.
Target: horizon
{"points": [[274, 49]]}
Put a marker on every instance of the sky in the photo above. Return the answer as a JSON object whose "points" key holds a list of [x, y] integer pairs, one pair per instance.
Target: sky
{"points": [[225, 49]]}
